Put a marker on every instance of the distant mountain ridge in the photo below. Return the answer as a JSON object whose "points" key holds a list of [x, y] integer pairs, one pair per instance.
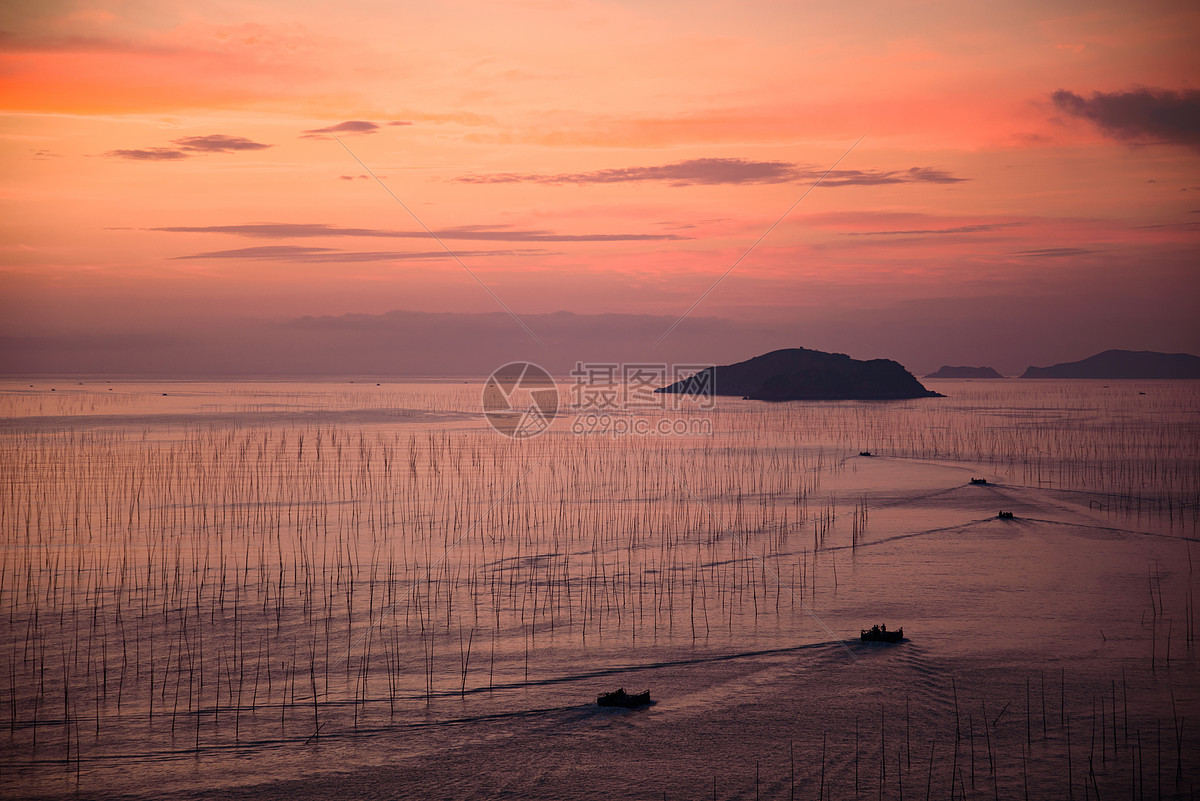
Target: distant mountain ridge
{"points": [[803, 374], [1118, 364], [946, 371]]}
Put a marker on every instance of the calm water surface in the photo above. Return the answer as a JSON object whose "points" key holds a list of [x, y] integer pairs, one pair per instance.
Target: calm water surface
{"points": [[325, 589]]}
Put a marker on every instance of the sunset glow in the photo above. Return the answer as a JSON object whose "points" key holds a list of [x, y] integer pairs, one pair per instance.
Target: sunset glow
{"points": [[1027, 174], [599, 399]]}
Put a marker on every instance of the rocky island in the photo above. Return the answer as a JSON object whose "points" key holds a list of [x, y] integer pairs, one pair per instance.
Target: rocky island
{"points": [[946, 371], [803, 374], [1118, 364]]}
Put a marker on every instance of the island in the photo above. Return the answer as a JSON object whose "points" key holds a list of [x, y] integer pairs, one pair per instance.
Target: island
{"points": [[1118, 364], [946, 371], [803, 374]]}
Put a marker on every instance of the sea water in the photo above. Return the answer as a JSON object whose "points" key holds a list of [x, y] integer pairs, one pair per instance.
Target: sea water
{"points": [[331, 589]]}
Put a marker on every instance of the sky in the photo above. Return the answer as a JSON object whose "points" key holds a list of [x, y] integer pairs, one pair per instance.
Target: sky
{"points": [[241, 187]]}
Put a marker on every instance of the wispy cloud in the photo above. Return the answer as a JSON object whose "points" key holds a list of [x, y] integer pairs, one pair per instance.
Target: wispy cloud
{"points": [[913, 175], [149, 154], [190, 145], [349, 128], [1139, 115], [487, 233], [1055, 252], [680, 173], [960, 229], [712, 171], [1185, 225], [218, 143], [313, 255]]}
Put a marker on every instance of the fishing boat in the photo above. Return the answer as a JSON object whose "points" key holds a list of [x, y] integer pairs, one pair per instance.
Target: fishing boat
{"points": [[624, 699], [881, 634]]}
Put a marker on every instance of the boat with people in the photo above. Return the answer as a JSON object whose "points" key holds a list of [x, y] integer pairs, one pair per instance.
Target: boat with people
{"points": [[623, 699], [878, 633]]}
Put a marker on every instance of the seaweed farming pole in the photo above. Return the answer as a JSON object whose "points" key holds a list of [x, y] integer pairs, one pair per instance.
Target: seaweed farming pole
{"points": [[929, 775], [908, 731], [1070, 766], [882, 751], [821, 794], [792, 765], [766, 568], [432, 566]]}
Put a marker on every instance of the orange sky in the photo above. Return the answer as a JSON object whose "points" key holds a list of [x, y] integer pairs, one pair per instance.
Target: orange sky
{"points": [[598, 157]]}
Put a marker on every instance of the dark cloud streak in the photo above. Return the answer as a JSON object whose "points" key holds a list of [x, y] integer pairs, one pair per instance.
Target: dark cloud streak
{"points": [[148, 154], [913, 175], [723, 171], [349, 127], [312, 255], [1139, 116], [961, 229], [188, 146], [466, 232], [1056, 252], [218, 143]]}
